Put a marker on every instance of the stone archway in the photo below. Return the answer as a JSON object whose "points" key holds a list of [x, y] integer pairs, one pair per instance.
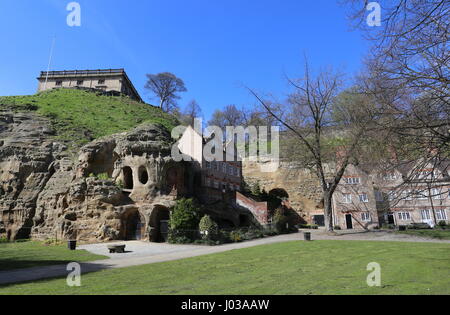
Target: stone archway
{"points": [[133, 225], [159, 223]]}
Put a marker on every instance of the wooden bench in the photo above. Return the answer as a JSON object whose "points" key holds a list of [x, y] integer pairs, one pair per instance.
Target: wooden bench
{"points": [[118, 249]]}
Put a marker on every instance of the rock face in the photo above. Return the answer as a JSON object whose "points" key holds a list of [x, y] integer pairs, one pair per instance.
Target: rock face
{"points": [[118, 187], [300, 184]]}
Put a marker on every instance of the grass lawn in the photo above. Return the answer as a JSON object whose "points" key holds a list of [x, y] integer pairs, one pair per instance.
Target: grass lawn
{"points": [[436, 233], [318, 267], [34, 254]]}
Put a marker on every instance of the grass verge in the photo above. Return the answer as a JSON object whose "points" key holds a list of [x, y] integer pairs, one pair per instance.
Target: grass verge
{"points": [[20, 255], [318, 267]]}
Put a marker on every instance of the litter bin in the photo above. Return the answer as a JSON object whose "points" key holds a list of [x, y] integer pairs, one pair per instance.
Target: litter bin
{"points": [[307, 236], [72, 245]]}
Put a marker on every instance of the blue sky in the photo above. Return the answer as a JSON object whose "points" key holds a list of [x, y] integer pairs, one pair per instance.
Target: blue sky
{"points": [[215, 46]]}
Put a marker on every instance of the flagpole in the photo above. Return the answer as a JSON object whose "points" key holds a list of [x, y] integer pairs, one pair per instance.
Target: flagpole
{"points": [[49, 62]]}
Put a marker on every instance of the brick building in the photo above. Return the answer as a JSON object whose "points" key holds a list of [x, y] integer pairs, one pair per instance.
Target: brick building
{"points": [[414, 192], [213, 179], [114, 81]]}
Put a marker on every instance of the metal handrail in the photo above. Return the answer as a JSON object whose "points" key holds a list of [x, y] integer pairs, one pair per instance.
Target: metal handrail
{"points": [[83, 72]]}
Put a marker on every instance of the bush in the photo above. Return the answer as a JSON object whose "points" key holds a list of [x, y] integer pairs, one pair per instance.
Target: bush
{"points": [[185, 215], [208, 227], [236, 236], [337, 227], [442, 223], [388, 226], [419, 226]]}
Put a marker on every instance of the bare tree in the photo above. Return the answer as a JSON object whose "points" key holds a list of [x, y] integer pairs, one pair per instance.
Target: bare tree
{"points": [[191, 112], [311, 115], [408, 70], [230, 116], [166, 87]]}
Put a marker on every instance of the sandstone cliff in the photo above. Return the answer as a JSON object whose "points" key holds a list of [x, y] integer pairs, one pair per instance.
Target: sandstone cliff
{"points": [[48, 192]]}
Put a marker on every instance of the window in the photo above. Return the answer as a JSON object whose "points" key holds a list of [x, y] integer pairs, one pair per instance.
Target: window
{"points": [[426, 215], [390, 176], [207, 182], [216, 184], [80, 82], [404, 216], [224, 168], [58, 83], [365, 217], [230, 170], [363, 198], [391, 195], [352, 180], [238, 187], [101, 81], [436, 193], [422, 194], [441, 215], [208, 165], [216, 165], [347, 198], [407, 194]]}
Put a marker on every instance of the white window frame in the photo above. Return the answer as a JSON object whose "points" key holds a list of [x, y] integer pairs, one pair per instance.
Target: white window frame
{"points": [[437, 194], [404, 216], [364, 197], [352, 180], [392, 195], [366, 217], [441, 215], [425, 214], [390, 176], [408, 194], [347, 198]]}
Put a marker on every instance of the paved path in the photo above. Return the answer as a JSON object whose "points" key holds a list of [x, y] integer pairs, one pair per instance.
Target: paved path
{"points": [[142, 253]]}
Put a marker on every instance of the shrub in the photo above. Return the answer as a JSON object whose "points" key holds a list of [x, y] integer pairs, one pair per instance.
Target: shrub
{"points": [[442, 223], [184, 222], [337, 227], [209, 227], [235, 236], [388, 226], [185, 215], [419, 226], [281, 221]]}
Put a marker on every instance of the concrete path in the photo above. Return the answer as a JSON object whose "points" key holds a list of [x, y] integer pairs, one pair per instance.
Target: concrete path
{"points": [[142, 253]]}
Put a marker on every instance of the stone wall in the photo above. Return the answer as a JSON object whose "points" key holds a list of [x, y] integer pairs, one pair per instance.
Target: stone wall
{"points": [[302, 186]]}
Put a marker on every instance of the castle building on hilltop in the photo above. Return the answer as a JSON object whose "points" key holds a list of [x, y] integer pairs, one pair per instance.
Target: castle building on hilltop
{"points": [[113, 81]]}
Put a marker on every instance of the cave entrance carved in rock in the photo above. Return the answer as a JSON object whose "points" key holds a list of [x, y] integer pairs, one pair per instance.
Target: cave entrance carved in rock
{"points": [[159, 224], [133, 225], [128, 178]]}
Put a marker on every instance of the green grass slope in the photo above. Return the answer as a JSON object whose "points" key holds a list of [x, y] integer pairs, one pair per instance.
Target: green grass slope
{"points": [[80, 116]]}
